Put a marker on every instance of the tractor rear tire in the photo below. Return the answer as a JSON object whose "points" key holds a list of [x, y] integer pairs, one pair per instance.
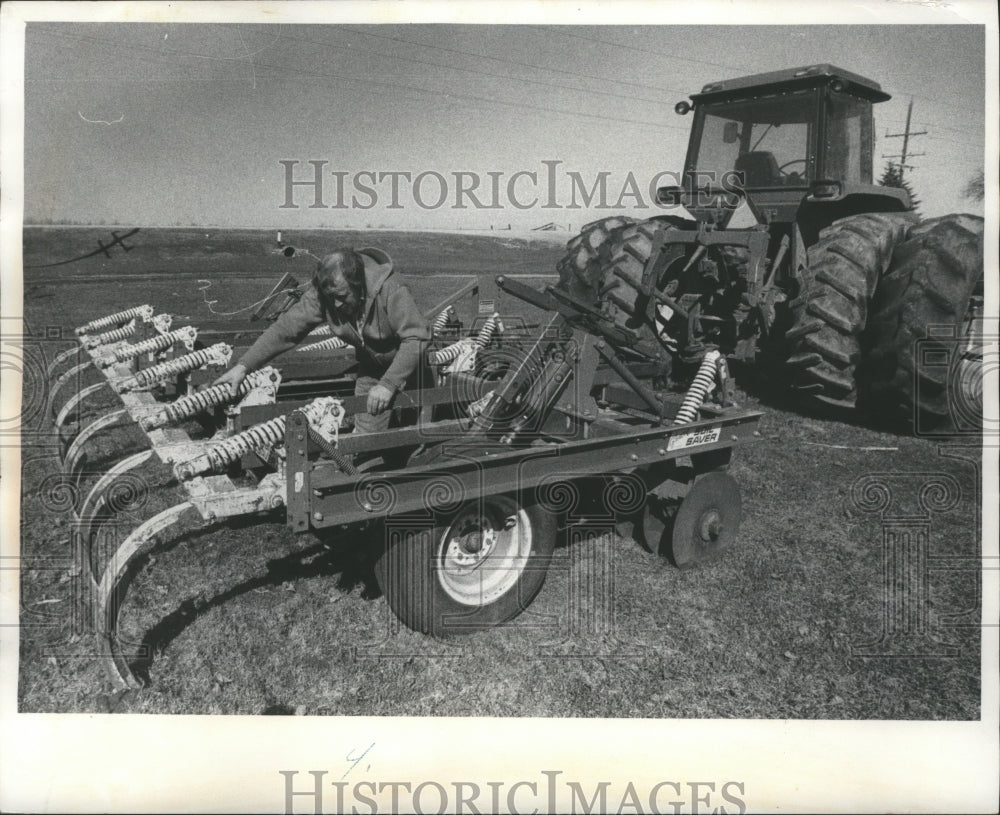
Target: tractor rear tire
{"points": [[625, 251], [582, 251], [627, 256], [930, 283], [830, 311]]}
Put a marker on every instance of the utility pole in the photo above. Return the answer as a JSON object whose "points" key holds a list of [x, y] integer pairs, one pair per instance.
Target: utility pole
{"points": [[905, 135]]}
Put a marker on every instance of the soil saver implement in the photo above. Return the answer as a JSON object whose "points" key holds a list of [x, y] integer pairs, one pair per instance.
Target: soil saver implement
{"points": [[460, 498]]}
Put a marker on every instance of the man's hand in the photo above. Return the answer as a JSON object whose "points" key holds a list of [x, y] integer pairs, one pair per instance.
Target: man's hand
{"points": [[379, 398], [233, 377]]}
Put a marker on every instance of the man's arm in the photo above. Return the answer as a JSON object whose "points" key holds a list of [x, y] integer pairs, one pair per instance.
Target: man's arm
{"points": [[286, 332], [283, 334], [413, 331]]}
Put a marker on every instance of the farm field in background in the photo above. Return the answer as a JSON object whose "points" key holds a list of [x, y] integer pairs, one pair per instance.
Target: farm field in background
{"points": [[258, 620]]}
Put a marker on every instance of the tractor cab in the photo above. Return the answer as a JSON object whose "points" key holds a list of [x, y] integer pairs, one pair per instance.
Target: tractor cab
{"points": [[783, 141]]}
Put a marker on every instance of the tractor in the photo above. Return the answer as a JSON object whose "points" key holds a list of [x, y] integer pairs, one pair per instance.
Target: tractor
{"points": [[790, 257]]}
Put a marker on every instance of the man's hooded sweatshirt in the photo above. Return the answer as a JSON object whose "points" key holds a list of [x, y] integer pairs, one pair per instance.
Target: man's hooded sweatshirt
{"points": [[388, 337]]}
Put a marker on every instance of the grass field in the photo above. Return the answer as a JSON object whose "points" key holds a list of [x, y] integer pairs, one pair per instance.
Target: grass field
{"points": [[258, 620]]}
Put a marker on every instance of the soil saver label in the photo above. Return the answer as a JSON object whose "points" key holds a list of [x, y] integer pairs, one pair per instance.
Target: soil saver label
{"points": [[682, 441]]}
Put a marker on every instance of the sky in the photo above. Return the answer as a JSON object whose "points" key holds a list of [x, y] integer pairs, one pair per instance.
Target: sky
{"points": [[164, 124]]}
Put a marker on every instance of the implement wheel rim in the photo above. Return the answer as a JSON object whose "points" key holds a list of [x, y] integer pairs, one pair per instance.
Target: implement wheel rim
{"points": [[482, 552]]}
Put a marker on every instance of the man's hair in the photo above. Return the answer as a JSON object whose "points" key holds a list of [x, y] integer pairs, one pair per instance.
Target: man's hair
{"points": [[345, 262]]}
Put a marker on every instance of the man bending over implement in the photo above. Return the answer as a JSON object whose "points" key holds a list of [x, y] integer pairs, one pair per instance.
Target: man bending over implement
{"points": [[367, 306]]}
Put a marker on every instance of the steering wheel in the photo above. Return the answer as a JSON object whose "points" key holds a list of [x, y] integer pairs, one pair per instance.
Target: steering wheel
{"points": [[781, 169]]}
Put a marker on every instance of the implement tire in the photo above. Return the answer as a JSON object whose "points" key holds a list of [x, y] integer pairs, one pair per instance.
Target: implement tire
{"points": [[829, 314], [469, 569], [930, 284]]}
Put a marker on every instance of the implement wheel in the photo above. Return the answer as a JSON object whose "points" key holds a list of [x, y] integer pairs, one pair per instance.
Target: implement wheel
{"points": [[707, 520], [474, 568]]}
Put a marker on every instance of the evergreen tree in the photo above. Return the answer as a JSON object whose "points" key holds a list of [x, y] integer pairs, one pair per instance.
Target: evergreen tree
{"points": [[893, 177], [975, 190]]}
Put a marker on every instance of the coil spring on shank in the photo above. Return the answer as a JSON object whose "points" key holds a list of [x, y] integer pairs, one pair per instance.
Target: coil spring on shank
{"points": [[188, 406], [320, 331], [216, 354], [224, 453], [702, 384], [117, 318], [486, 333], [442, 320], [204, 400], [116, 335], [328, 344], [154, 344], [323, 411]]}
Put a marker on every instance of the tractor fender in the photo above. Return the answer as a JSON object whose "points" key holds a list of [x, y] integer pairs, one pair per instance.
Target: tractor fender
{"points": [[815, 214]]}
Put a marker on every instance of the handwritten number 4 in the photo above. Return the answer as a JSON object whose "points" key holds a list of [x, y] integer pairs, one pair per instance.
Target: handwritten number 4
{"points": [[355, 761]]}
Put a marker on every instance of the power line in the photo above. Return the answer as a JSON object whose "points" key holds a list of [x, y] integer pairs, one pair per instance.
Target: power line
{"points": [[688, 59], [471, 97], [156, 53], [480, 56], [685, 58], [561, 30], [953, 141], [434, 92], [904, 92], [942, 103], [965, 130], [486, 73], [167, 55], [286, 69]]}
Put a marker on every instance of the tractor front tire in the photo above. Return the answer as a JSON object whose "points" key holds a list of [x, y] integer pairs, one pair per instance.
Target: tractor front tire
{"points": [[830, 311], [925, 297]]}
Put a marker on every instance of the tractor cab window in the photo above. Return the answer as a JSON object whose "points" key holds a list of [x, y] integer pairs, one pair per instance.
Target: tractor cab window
{"points": [[848, 148], [765, 141]]}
